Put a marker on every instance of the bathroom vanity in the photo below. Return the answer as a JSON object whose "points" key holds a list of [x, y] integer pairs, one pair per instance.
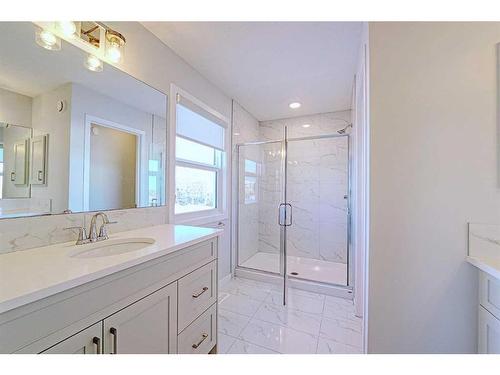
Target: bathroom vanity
{"points": [[484, 254], [150, 290]]}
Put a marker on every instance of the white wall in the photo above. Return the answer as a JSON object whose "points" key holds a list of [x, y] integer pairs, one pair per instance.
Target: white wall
{"points": [[15, 108], [47, 120], [433, 106]]}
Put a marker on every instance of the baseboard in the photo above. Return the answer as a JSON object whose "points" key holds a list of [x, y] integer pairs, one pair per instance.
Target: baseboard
{"points": [[224, 280]]}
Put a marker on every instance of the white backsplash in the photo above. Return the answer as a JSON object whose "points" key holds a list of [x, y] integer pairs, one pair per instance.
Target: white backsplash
{"points": [[29, 232], [484, 240]]}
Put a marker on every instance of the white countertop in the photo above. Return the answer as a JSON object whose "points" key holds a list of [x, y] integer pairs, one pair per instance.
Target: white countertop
{"points": [[29, 275], [484, 248], [490, 265]]}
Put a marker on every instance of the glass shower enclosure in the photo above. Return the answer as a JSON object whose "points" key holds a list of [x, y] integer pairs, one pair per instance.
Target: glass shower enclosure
{"points": [[293, 216]]}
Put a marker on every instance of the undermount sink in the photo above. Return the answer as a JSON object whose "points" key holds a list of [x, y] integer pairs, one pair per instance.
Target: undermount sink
{"points": [[110, 247]]}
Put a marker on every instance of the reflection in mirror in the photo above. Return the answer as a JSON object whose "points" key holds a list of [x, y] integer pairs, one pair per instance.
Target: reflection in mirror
{"points": [[72, 139]]}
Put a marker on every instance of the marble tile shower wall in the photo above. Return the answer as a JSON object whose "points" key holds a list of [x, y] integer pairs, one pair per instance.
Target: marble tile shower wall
{"points": [[245, 129], [317, 184], [26, 233]]}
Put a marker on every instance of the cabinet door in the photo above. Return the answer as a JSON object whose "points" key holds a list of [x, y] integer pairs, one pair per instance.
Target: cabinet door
{"points": [[489, 333], [19, 174], [88, 341], [38, 160], [148, 326]]}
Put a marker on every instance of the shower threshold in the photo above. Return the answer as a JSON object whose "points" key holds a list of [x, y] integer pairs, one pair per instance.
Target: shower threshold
{"points": [[303, 268]]}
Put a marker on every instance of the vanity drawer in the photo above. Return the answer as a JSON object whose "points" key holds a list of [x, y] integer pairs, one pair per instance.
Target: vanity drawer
{"points": [[196, 292], [488, 332], [489, 294], [201, 336]]}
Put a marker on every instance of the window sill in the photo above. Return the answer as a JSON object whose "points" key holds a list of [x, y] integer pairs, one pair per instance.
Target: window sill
{"points": [[199, 218]]}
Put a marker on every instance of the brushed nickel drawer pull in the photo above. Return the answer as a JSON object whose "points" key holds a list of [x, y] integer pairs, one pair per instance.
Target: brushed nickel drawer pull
{"points": [[114, 332], [205, 288], [203, 337], [97, 341]]}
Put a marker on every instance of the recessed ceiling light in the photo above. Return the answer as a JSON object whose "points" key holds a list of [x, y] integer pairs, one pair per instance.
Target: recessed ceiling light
{"points": [[306, 125], [294, 105]]}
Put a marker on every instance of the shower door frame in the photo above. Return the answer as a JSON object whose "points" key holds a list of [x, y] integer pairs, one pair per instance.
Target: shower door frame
{"points": [[284, 142]]}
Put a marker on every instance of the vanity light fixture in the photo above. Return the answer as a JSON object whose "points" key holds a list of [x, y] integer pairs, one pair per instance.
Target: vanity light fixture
{"points": [[47, 39], [294, 105], [93, 37], [93, 63], [67, 28], [115, 43]]}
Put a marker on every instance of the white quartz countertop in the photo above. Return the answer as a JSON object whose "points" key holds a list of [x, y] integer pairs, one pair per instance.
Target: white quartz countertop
{"points": [[29, 275], [490, 265], [484, 248]]}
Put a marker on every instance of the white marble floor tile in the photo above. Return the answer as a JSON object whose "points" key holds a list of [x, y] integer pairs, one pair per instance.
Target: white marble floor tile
{"points": [[243, 347], [224, 342], [298, 302], [341, 330], [291, 318], [304, 293], [247, 289], [279, 338], [230, 323], [240, 304], [333, 347], [336, 307]]}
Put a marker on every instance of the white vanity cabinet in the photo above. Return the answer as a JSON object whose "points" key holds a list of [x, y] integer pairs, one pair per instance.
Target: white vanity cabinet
{"points": [[145, 327], [489, 315], [88, 341], [154, 307]]}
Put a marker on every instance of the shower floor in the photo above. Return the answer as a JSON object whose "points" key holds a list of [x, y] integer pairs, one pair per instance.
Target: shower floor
{"points": [[306, 268]]}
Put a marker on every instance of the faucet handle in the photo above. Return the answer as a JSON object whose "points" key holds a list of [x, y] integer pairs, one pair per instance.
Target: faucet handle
{"points": [[103, 231], [82, 234]]}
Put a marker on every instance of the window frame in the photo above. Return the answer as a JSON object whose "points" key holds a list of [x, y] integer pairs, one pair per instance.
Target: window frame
{"points": [[221, 167]]}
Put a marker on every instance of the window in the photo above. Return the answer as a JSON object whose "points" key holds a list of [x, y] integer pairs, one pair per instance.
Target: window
{"points": [[251, 190], [199, 150]]}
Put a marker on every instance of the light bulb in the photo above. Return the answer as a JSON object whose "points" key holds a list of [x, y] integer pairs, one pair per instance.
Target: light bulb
{"points": [[113, 53], [93, 63], [48, 40], [67, 28], [294, 105], [306, 125]]}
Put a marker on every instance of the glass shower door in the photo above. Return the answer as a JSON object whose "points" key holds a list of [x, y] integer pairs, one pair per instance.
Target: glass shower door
{"points": [[317, 186], [260, 187]]}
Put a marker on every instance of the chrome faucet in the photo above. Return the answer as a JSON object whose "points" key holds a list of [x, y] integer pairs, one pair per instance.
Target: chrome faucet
{"points": [[93, 235], [103, 231]]}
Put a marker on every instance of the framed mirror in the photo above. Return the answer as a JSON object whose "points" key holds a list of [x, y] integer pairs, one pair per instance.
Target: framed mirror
{"points": [[73, 139]]}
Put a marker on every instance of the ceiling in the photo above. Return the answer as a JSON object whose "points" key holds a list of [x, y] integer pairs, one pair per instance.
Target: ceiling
{"points": [[266, 65]]}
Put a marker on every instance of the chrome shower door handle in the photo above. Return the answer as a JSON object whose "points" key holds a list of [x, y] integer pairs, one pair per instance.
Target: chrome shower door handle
{"points": [[285, 215]]}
